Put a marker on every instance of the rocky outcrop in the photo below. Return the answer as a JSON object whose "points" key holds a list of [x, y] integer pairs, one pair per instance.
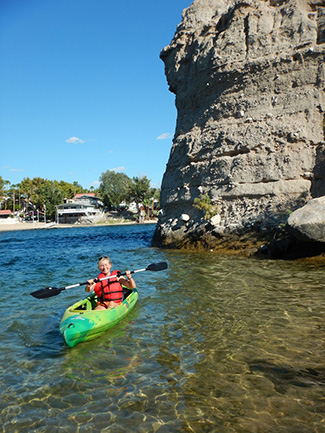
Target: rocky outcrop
{"points": [[308, 222], [249, 81]]}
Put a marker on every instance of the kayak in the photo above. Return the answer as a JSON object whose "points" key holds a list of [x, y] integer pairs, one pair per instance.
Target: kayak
{"points": [[81, 322]]}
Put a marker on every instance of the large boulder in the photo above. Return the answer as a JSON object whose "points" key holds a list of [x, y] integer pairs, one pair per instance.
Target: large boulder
{"points": [[308, 222]]}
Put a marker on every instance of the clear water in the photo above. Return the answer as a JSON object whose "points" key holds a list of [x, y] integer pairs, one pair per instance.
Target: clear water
{"points": [[215, 344]]}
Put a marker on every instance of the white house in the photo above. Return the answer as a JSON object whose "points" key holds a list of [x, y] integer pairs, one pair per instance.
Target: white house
{"points": [[83, 208]]}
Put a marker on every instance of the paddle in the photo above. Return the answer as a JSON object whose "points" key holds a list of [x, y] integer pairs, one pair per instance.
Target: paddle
{"points": [[47, 292]]}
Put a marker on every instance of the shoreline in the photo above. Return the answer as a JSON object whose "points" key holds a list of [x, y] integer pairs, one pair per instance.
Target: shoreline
{"points": [[318, 259], [8, 227]]}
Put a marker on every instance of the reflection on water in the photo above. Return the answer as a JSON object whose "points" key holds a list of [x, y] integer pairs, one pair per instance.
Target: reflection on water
{"points": [[215, 344]]}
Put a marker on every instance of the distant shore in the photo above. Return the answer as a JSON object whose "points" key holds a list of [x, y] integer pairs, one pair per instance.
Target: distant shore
{"points": [[6, 227]]}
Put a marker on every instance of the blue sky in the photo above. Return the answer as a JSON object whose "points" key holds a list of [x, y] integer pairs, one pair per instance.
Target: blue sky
{"points": [[83, 89]]}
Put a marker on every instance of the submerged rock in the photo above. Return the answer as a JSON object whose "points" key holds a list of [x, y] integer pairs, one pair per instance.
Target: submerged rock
{"points": [[249, 81]]}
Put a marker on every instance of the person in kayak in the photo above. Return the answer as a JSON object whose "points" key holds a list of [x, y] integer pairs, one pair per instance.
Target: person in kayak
{"points": [[109, 292]]}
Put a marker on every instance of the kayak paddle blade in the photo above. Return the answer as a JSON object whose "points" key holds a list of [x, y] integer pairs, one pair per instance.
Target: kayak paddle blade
{"points": [[46, 293], [157, 267]]}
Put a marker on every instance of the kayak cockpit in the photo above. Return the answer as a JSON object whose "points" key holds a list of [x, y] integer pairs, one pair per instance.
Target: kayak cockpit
{"points": [[90, 302], [87, 304]]}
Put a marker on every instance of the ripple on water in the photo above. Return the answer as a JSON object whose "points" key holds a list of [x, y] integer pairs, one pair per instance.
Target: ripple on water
{"points": [[214, 344]]}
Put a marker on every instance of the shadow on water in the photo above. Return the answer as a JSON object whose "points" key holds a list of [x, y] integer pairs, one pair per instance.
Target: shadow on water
{"points": [[39, 340], [284, 376]]}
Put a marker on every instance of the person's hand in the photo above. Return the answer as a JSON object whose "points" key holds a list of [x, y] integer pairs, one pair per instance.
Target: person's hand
{"points": [[128, 275], [90, 285]]}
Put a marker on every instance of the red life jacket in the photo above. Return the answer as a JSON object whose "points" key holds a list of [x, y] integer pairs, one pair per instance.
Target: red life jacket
{"points": [[109, 290]]}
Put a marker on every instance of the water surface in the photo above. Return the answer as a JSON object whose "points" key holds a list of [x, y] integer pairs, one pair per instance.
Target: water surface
{"points": [[215, 344]]}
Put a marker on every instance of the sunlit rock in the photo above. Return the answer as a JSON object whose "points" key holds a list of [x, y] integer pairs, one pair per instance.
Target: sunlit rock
{"points": [[248, 77], [308, 222]]}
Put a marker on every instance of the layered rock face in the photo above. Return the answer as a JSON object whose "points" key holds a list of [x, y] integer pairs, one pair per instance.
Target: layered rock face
{"points": [[249, 81]]}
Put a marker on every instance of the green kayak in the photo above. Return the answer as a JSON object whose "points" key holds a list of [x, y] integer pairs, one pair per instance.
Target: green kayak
{"points": [[81, 322]]}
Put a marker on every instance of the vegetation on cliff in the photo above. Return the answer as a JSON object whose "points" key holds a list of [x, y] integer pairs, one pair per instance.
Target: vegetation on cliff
{"points": [[204, 203]]}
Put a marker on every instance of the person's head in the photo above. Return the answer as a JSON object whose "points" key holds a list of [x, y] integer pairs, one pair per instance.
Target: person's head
{"points": [[104, 264]]}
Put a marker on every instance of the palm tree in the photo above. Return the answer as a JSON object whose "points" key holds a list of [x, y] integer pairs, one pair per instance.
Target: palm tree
{"points": [[6, 183]]}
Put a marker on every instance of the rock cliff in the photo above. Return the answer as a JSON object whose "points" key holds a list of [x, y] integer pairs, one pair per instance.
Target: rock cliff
{"points": [[249, 81]]}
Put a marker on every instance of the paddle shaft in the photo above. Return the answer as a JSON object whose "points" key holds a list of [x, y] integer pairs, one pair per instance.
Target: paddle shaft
{"points": [[86, 282], [96, 280], [106, 278], [53, 291]]}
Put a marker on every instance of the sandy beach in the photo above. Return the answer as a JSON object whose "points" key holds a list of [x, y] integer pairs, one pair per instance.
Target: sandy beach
{"points": [[39, 225], [4, 227]]}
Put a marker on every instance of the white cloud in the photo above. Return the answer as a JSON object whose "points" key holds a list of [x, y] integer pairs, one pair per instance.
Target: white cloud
{"points": [[118, 169], [8, 167], [74, 140], [165, 136]]}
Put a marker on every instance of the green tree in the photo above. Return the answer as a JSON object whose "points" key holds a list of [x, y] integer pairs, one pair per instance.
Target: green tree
{"points": [[66, 187], [4, 192], [2, 189], [139, 191], [69, 189], [78, 189], [14, 194], [27, 188], [149, 201], [40, 192], [114, 188], [49, 195]]}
